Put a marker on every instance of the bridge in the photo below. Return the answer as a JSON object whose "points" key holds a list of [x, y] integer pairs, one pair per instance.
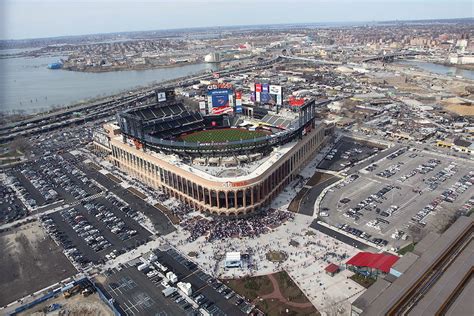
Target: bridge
{"points": [[385, 58], [312, 60], [392, 56]]}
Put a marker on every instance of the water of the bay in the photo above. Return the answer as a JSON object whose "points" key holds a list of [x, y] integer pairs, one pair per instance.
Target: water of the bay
{"points": [[27, 85], [441, 69]]}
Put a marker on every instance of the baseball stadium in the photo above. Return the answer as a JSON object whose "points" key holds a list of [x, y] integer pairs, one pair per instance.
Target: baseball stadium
{"points": [[226, 164]]}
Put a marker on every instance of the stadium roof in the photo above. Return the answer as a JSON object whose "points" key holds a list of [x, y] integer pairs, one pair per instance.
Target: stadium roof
{"points": [[379, 261]]}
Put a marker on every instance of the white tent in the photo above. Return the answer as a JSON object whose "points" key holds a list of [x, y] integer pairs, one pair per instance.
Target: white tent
{"points": [[232, 260]]}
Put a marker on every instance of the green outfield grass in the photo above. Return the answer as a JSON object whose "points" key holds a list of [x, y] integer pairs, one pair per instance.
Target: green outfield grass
{"points": [[222, 135]]}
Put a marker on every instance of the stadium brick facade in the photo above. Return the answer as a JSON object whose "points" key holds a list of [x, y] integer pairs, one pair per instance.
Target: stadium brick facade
{"points": [[210, 194]]}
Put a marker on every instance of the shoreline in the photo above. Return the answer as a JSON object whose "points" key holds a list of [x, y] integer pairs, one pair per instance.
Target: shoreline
{"points": [[458, 66], [469, 67], [117, 69], [13, 118]]}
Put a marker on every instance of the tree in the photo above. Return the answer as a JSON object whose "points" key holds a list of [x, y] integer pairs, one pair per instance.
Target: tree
{"points": [[417, 233], [334, 307], [20, 144]]}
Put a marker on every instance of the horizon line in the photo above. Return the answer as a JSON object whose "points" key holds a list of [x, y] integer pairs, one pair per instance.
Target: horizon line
{"points": [[238, 25]]}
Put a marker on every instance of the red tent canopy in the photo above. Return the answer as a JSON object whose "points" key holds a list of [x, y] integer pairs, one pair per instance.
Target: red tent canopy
{"points": [[379, 261], [332, 268]]}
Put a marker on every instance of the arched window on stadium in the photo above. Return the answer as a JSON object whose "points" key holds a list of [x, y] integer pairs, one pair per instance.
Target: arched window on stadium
{"points": [[240, 198], [222, 201], [189, 188], [206, 196], [179, 183], [256, 193], [195, 191], [248, 197], [231, 199], [213, 198], [200, 194]]}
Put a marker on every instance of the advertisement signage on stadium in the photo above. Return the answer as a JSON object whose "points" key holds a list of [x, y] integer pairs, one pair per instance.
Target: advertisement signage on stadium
{"points": [[202, 107], [161, 96], [265, 97], [275, 89], [219, 97], [221, 100], [219, 85], [258, 91], [238, 102], [277, 95]]}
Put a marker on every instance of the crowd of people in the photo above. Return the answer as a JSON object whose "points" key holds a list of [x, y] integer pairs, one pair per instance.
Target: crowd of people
{"points": [[224, 227]]}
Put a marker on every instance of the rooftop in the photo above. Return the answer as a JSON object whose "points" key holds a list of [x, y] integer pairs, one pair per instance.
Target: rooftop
{"points": [[379, 261], [332, 268]]}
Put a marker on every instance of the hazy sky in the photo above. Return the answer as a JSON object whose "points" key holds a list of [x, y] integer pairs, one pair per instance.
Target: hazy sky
{"points": [[45, 18]]}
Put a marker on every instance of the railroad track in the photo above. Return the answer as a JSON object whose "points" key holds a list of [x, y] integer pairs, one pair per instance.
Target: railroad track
{"points": [[419, 289]]}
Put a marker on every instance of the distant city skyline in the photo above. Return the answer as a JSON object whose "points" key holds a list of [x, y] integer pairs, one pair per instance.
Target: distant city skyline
{"points": [[22, 19]]}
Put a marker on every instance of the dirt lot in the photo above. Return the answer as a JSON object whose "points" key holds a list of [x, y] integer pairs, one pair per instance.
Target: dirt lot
{"points": [[30, 261], [463, 110], [77, 305], [318, 178]]}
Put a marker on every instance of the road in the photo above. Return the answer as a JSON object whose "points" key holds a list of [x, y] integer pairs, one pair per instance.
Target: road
{"points": [[306, 206], [342, 237]]}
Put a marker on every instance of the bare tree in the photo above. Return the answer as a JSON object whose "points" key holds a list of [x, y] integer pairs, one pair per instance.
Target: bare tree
{"points": [[335, 308], [20, 144], [417, 233]]}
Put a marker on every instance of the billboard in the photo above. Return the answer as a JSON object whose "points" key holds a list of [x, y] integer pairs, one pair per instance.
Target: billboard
{"points": [[267, 94], [238, 102], [202, 107], [276, 94], [252, 93], [162, 96], [258, 91], [265, 97], [220, 100]]}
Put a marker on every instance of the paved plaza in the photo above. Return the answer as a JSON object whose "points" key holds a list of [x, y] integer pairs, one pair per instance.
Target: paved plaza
{"points": [[308, 250]]}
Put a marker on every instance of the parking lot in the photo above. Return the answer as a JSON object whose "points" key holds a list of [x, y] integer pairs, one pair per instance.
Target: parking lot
{"points": [[11, 208], [50, 179], [139, 286], [209, 292], [383, 199], [135, 294], [160, 222], [100, 229], [346, 152]]}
